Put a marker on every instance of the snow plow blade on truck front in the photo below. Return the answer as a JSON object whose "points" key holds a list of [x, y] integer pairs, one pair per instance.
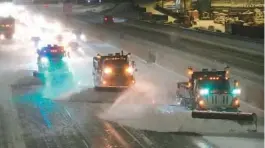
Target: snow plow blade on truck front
{"points": [[240, 117]]}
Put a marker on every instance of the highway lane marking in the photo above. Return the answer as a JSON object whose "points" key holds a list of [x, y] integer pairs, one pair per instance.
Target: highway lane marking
{"points": [[85, 143], [135, 139], [68, 113]]}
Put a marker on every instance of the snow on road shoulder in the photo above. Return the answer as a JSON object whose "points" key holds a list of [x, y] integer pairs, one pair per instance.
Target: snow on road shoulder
{"points": [[95, 8], [236, 142], [125, 9]]}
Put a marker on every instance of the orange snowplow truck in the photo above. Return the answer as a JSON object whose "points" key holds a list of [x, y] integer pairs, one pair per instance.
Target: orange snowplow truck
{"points": [[113, 71], [210, 95], [7, 27]]}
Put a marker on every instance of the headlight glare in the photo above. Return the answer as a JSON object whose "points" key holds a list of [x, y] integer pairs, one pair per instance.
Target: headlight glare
{"points": [[44, 60], [107, 70], [236, 91], [204, 91]]}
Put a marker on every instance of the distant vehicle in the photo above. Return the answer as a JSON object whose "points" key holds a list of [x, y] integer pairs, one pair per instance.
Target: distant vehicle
{"points": [[79, 36], [108, 19], [7, 27], [51, 54], [210, 96], [113, 71], [52, 59]]}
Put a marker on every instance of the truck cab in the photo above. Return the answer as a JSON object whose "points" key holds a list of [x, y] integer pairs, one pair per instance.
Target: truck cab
{"points": [[7, 27], [209, 90], [113, 71]]}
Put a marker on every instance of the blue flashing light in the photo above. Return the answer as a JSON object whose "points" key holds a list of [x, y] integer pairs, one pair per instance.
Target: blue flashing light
{"points": [[204, 91]]}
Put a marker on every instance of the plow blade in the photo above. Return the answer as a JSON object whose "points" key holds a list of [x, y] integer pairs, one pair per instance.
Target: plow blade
{"points": [[224, 115], [240, 117]]}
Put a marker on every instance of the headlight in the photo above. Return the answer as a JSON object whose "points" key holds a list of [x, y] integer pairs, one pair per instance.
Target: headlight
{"points": [[2, 37], [236, 91], [201, 103], [83, 37], [44, 60], [107, 70], [204, 91], [129, 70]]}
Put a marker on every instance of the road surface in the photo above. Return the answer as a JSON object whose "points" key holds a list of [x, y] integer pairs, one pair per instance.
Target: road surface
{"points": [[44, 116], [67, 112]]}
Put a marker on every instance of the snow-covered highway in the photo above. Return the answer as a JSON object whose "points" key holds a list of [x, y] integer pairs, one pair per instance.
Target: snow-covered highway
{"points": [[69, 113]]}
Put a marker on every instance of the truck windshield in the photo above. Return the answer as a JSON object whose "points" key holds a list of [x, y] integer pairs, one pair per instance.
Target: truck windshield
{"points": [[219, 85]]}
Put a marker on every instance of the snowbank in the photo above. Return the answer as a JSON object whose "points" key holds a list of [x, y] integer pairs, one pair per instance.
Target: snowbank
{"points": [[102, 7], [124, 10], [93, 8]]}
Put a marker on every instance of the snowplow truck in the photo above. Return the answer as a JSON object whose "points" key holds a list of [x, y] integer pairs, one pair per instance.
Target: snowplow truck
{"points": [[113, 71], [7, 27], [210, 94]]}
